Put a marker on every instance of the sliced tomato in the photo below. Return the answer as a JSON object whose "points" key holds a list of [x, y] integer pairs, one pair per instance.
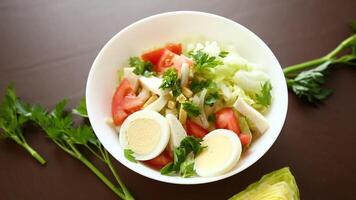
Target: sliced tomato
{"points": [[245, 139], [195, 129], [132, 103], [124, 102], [175, 48], [160, 161], [170, 59], [155, 55], [225, 118]]}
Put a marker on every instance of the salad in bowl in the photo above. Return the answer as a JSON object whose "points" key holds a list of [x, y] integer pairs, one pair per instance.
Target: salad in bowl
{"points": [[190, 110], [196, 103]]}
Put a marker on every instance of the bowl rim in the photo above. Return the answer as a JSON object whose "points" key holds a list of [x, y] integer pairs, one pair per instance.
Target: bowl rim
{"points": [[200, 180]]}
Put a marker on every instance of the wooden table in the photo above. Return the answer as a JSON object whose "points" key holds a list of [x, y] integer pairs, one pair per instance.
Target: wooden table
{"points": [[47, 48]]}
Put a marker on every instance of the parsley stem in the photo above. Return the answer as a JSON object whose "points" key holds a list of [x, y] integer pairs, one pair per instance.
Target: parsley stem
{"points": [[94, 152], [101, 176], [315, 62], [112, 169], [22, 142]]}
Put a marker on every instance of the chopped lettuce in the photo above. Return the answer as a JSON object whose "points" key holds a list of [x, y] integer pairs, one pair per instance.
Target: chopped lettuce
{"points": [[250, 80], [277, 185], [234, 76]]}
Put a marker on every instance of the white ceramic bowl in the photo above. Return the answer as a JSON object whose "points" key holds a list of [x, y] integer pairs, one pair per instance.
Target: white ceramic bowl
{"points": [[171, 27]]}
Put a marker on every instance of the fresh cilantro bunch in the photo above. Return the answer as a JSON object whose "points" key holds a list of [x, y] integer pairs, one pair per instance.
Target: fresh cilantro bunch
{"points": [[306, 79], [171, 81], [11, 122], [183, 155]]}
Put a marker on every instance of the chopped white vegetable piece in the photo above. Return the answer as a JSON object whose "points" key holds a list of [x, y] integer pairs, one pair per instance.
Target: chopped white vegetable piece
{"points": [[184, 75], [144, 94], [158, 104], [152, 84], [178, 133], [131, 77], [257, 118]]}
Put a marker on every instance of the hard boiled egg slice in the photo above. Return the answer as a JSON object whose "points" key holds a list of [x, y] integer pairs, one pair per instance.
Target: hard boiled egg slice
{"points": [[146, 133], [221, 155]]}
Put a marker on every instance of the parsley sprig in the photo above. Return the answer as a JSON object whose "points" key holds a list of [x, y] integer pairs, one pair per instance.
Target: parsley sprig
{"points": [[81, 110], [58, 125], [183, 164], [11, 122], [264, 97], [143, 68], [191, 109], [203, 61], [171, 81], [308, 83]]}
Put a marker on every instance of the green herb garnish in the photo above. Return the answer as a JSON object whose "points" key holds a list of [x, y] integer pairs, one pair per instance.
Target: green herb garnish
{"points": [[181, 164], [143, 68], [187, 169], [128, 153], [11, 122], [308, 83], [212, 118], [203, 61], [197, 86], [264, 97], [58, 125], [192, 109], [223, 54], [81, 110], [171, 81], [211, 98]]}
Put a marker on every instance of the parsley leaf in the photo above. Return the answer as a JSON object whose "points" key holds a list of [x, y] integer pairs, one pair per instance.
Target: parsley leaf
{"points": [[181, 157], [211, 98], [192, 109], [264, 97], [12, 120], [187, 169], [203, 61], [128, 153], [81, 110], [143, 68], [307, 84], [171, 81], [223, 54], [197, 86], [211, 118]]}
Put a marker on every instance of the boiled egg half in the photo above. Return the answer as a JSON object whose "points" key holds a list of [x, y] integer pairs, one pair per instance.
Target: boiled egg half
{"points": [[222, 153], [146, 133]]}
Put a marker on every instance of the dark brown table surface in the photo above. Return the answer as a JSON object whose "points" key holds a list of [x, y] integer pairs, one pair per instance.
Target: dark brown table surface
{"points": [[47, 48]]}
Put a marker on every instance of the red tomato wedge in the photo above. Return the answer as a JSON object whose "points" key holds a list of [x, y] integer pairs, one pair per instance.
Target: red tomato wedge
{"points": [[245, 139], [155, 55], [124, 102], [225, 118], [160, 161], [170, 59], [195, 129]]}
